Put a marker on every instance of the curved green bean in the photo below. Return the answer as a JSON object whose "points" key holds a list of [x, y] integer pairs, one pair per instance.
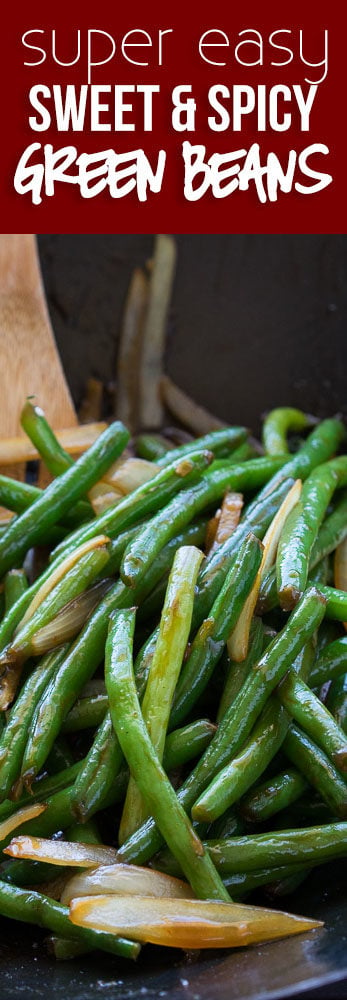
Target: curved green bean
{"points": [[317, 769], [301, 529], [221, 443], [277, 425], [273, 795], [35, 425], [60, 495], [142, 759]]}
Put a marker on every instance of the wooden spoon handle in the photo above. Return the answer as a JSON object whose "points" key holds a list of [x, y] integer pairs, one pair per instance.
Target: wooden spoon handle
{"points": [[30, 363]]}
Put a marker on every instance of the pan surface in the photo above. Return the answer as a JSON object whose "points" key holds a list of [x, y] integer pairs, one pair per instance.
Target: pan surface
{"points": [[255, 322], [286, 968]]}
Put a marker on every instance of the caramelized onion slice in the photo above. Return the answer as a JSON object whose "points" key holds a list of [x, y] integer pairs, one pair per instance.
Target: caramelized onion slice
{"points": [[21, 816], [61, 852], [185, 923], [125, 880]]}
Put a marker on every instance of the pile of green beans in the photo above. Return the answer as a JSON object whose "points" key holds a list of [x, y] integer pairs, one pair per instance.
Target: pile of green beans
{"points": [[233, 774]]}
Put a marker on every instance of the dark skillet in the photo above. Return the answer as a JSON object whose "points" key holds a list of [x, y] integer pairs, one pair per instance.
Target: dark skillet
{"points": [[256, 321]]}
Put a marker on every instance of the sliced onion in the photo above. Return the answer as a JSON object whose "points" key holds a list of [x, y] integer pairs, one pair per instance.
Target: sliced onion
{"points": [[61, 852], [340, 568], [272, 536], [239, 639], [102, 496], [126, 476], [228, 519], [21, 816], [57, 574], [69, 620], [125, 880], [185, 923]]}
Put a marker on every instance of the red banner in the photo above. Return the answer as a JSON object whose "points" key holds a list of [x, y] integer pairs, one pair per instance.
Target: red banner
{"points": [[139, 119]]}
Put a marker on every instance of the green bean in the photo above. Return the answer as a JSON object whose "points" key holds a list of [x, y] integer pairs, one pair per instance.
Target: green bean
{"points": [[102, 761], [183, 745], [310, 845], [331, 662], [268, 597], [103, 764], [247, 766], [152, 446], [331, 533], [309, 712], [63, 689], [209, 641], [320, 445], [60, 496], [266, 738], [337, 701], [142, 759], [238, 883], [37, 428], [18, 497], [239, 718], [86, 713], [14, 736], [336, 602], [142, 551], [142, 502], [16, 584], [317, 769], [221, 443], [238, 672], [151, 607], [171, 644], [90, 711], [99, 773], [301, 528], [278, 423], [242, 453], [35, 908], [63, 950], [273, 795], [215, 568], [43, 786], [166, 664]]}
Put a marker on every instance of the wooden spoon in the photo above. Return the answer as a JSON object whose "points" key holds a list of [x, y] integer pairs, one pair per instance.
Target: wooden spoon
{"points": [[30, 362]]}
